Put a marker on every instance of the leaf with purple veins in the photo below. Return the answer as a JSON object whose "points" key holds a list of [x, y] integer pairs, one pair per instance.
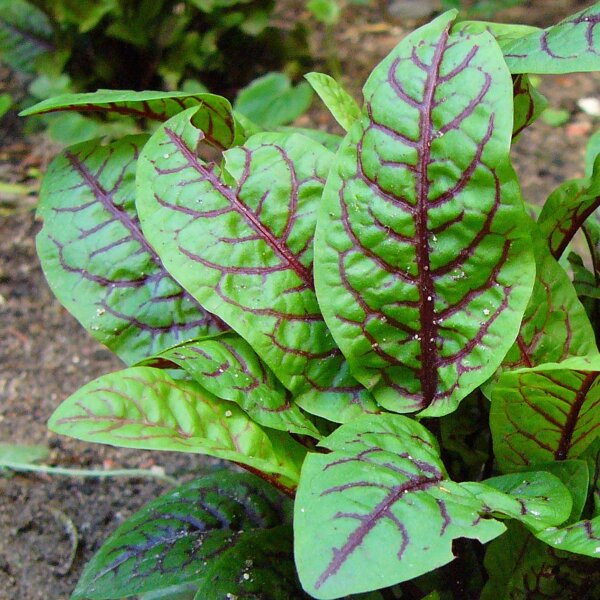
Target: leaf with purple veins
{"points": [[146, 408], [567, 208], [213, 114], [379, 509], [550, 412], [98, 262], [240, 239], [555, 325], [423, 264], [529, 104], [571, 46], [227, 367]]}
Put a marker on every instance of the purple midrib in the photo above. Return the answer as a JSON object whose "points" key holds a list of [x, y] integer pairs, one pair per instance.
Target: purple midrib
{"points": [[251, 219], [566, 438], [429, 354], [125, 219]]}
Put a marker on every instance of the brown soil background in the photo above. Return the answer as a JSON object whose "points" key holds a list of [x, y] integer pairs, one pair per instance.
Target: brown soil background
{"points": [[45, 355]]}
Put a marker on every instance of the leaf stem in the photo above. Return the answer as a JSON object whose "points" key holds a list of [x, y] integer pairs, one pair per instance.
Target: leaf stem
{"points": [[133, 473], [272, 479]]}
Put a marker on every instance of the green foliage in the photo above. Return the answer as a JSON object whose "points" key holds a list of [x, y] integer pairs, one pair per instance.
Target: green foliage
{"points": [[281, 295]]}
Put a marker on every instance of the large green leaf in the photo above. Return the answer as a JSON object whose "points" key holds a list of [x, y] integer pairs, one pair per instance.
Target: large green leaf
{"points": [[549, 412], [379, 508], [145, 408], [260, 566], [567, 208], [240, 241], [570, 46], [227, 367], [423, 264], [177, 538], [213, 113], [341, 104], [555, 325], [97, 260], [25, 34], [529, 104]]}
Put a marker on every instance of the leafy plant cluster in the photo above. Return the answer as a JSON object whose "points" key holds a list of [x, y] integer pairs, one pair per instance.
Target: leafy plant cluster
{"points": [[70, 46], [372, 326]]}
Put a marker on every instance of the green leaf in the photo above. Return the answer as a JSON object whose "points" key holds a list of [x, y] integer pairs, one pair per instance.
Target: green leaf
{"points": [[98, 262], [6, 103], [227, 367], [270, 100], [582, 537], [326, 11], [567, 208], [537, 498], [175, 539], [546, 413], [568, 47], [25, 34], [260, 565], [556, 117], [423, 268], [213, 113], [145, 408], [240, 241], [575, 476], [21, 453], [331, 141], [503, 32], [379, 509], [591, 153], [529, 104], [555, 325], [340, 103]]}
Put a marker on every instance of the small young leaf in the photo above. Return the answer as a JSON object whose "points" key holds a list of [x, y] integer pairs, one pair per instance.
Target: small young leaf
{"points": [[145, 408], [227, 367], [529, 104], [546, 413], [271, 100], [555, 325], [379, 509], [570, 46], [260, 565], [423, 268], [340, 103], [98, 262], [21, 453], [175, 539], [247, 232], [213, 113]]}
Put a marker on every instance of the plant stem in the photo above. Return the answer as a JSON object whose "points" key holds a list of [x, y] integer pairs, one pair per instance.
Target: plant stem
{"points": [[134, 473]]}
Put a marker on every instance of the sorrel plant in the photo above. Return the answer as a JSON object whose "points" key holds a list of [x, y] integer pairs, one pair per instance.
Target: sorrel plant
{"points": [[374, 327]]}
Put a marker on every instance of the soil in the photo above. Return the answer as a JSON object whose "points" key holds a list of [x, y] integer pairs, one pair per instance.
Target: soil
{"points": [[45, 355]]}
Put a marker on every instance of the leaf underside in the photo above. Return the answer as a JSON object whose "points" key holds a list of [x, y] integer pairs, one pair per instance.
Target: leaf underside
{"points": [[247, 231], [424, 267], [98, 262]]}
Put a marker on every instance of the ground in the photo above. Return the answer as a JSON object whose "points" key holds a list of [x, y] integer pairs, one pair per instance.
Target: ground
{"points": [[45, 355]]}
